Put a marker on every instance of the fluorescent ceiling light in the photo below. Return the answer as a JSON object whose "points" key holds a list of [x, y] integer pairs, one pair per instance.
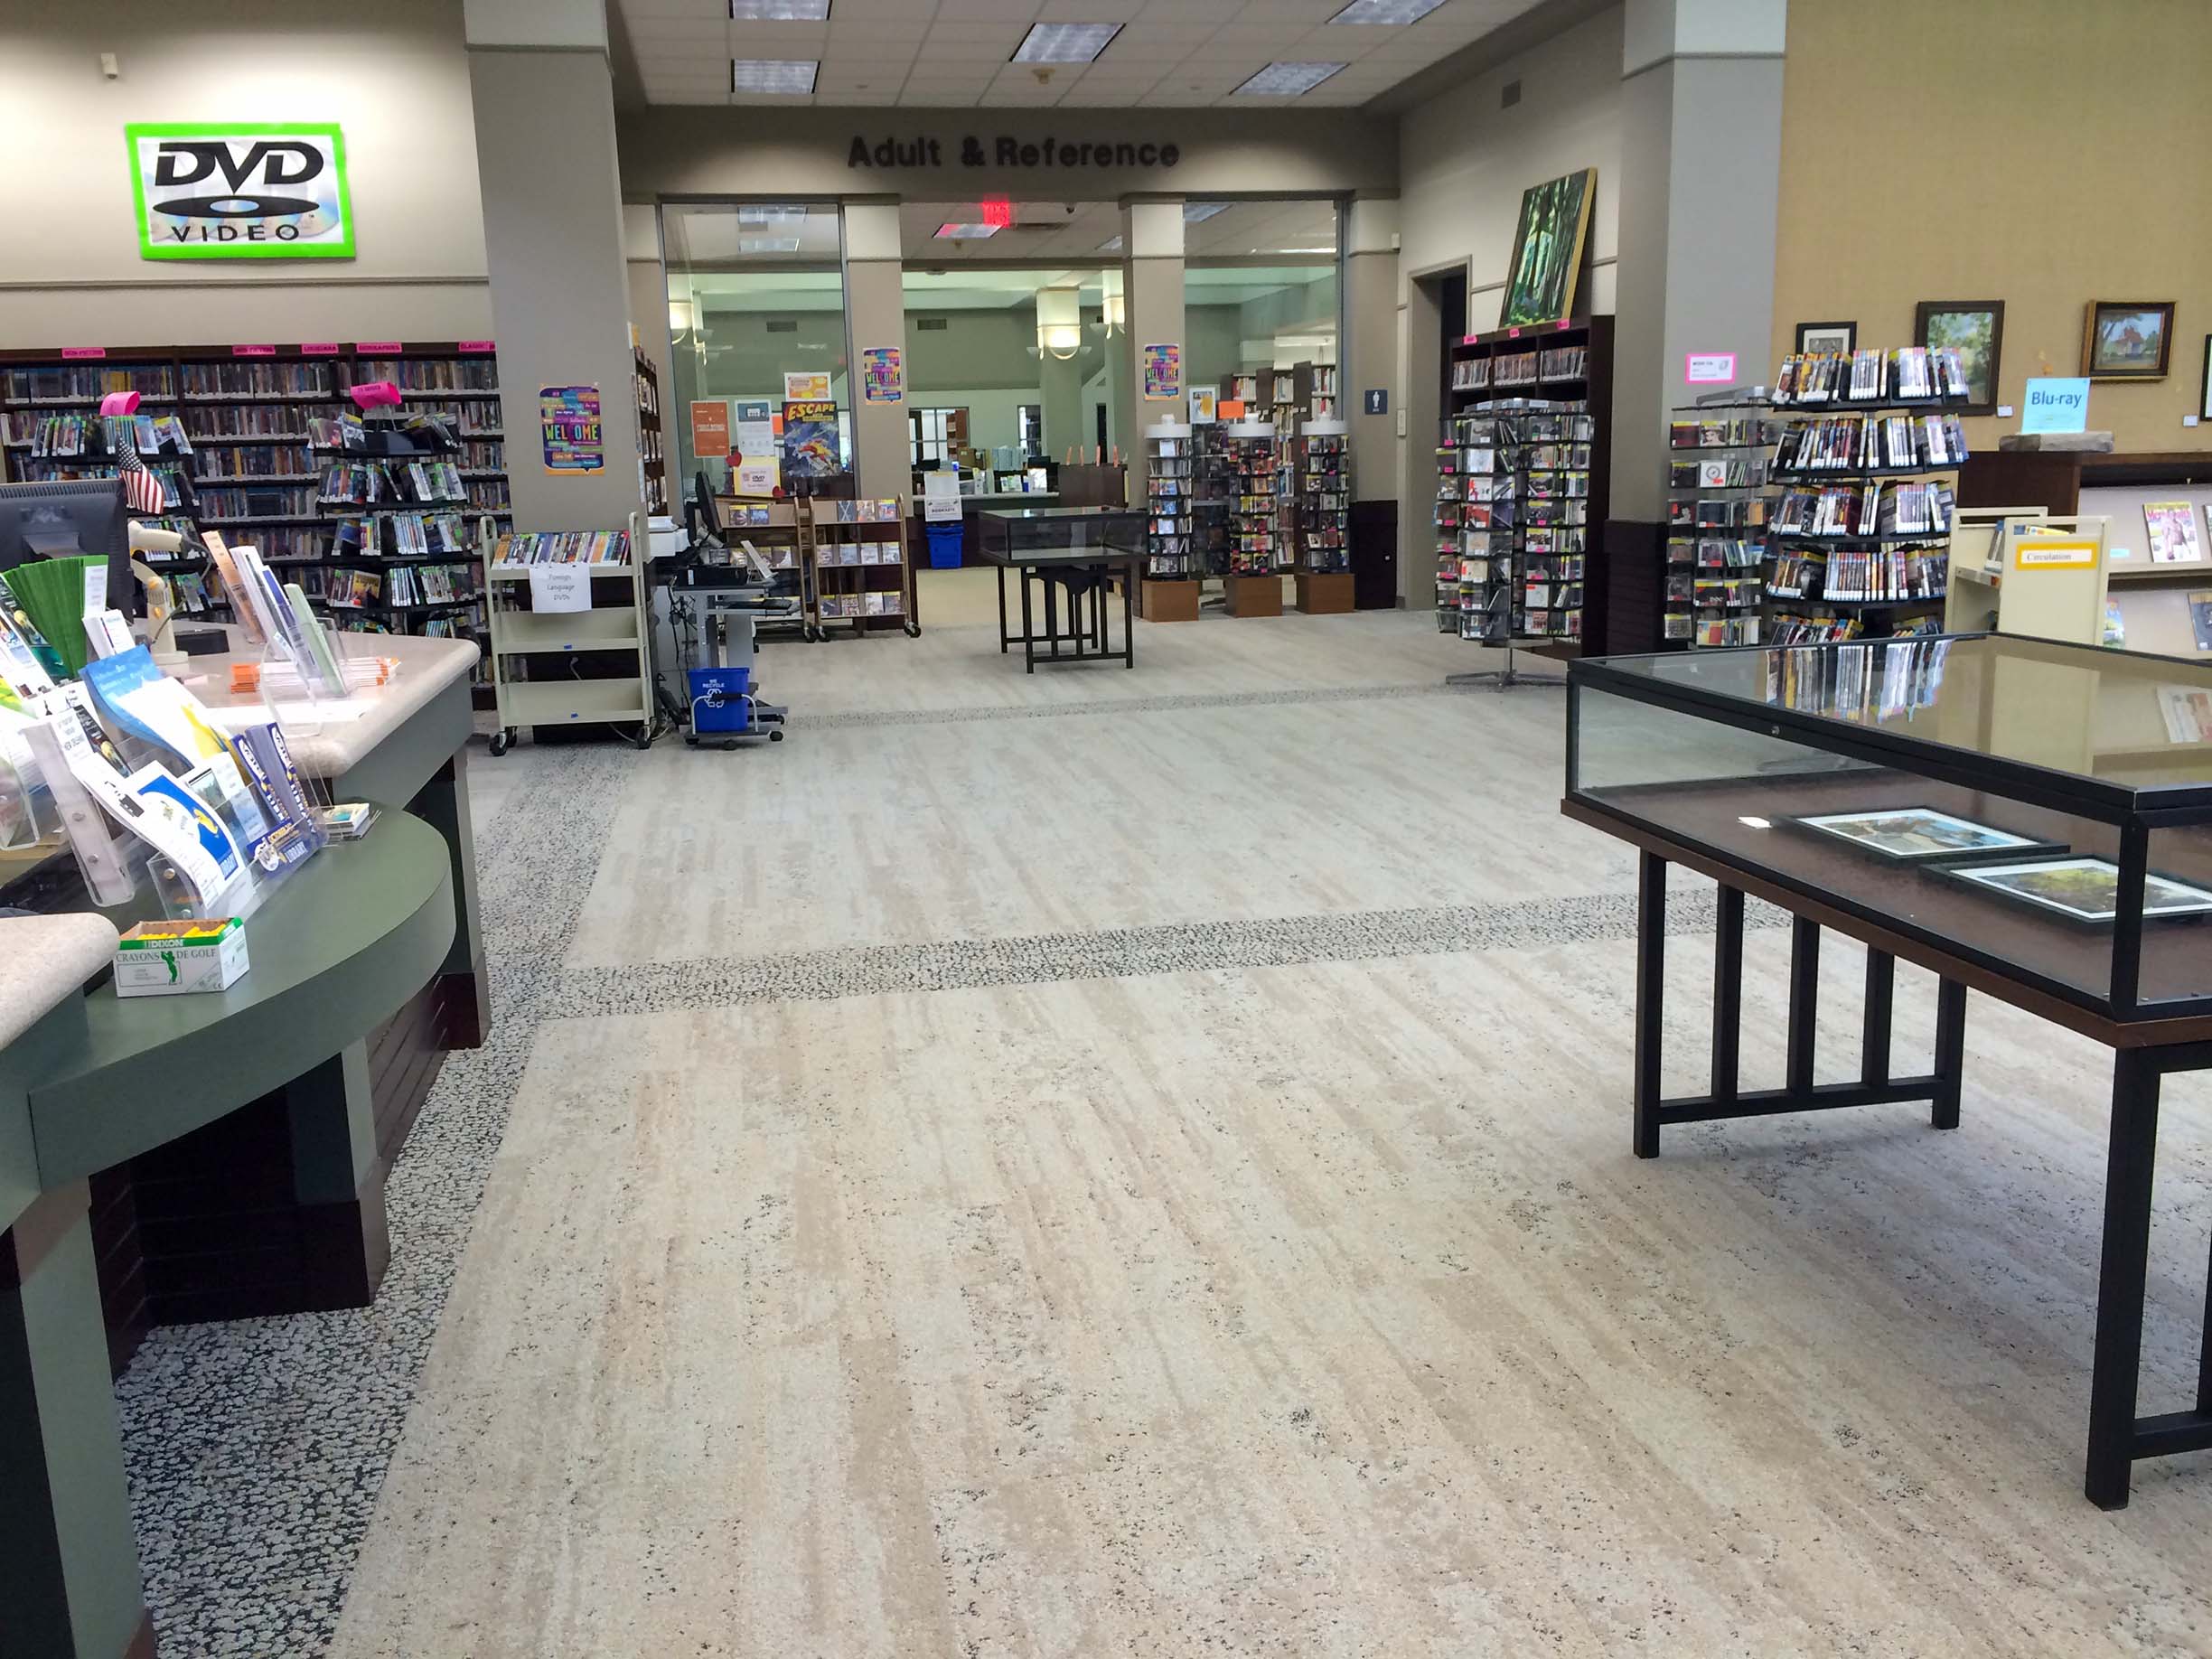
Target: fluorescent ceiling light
{"points": [[788, 75], [1111, 245], [1386, 10], [965, 233], [1194, 211], [1294, 250], [779, 11], [1064, 43], [767, 244], [765, 216], [1286, 79]]}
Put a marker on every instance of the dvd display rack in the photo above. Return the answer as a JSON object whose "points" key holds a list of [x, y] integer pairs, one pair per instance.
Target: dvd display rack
{"points": [[1324, 501], [1716, 528], [1252, 480], [862, 573], [398, 556], [1170, 547], [1859, 521]]}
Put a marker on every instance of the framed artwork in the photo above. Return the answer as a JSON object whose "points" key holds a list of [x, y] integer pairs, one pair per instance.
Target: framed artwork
{"points": [[2127, 340], [1827, 336], [1912, 834], [2083, 889], [1547, 254], [2205, 397], [1975, 330]]}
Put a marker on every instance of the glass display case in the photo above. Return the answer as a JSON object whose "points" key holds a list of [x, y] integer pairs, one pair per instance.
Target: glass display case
{"points": [[1032, 535], [2041, 810]]}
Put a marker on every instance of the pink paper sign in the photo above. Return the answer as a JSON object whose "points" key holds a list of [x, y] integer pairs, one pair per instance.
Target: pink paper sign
{"points": [[253, 351], [477, 345], [70, 353], [377, 347], [1708, 367], [319, 348]]}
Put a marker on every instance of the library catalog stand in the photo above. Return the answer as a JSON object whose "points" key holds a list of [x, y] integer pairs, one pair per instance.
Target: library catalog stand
{"points": [[2016, 816]]}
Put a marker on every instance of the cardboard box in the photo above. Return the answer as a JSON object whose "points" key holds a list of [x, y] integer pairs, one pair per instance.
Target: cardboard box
{"points": [[155, 959], [1253, 595], [1167, 601], [1325, 595]]}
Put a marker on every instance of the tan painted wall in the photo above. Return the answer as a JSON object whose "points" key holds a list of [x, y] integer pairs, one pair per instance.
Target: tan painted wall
{"points": [[2054, 153], [395, 75]]}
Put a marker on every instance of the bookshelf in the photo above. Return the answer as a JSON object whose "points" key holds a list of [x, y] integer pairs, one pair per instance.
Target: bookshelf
{"points": [[1532, 382], [653, 451], [1716, 518], [1859, 525], [1321, 400]]}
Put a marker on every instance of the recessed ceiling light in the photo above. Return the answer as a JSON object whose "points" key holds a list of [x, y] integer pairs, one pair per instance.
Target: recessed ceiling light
{"points": [[965, 233], [765, 216], [1195, 211], [788, 75], [1386, 10], [1286, 79], [1112, 244], [1064, 43], [779, 11], [767, 244], [1294, 250]]}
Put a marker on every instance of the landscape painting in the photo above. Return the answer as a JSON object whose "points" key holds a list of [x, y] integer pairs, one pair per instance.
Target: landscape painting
{"points": [[2127, 340], [1547, 255]]}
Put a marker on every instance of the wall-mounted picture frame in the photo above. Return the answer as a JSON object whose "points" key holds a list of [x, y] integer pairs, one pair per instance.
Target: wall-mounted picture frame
{"points": [[1827, 337], [1547, 253], [1975, 330], [2205, 394], [2127, 340]]}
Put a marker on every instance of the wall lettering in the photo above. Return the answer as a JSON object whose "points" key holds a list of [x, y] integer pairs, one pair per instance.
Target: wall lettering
{"points": [[1001, 150]]}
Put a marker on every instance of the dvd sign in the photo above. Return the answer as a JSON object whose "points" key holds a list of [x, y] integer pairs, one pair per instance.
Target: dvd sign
{"points": [[242, 190]]}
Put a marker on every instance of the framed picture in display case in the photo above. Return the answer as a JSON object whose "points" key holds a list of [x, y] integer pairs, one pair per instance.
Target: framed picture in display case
{"points": [[1842, 337], [1919, 834], [1975, 329], [2084, 890], [2127, 340]]}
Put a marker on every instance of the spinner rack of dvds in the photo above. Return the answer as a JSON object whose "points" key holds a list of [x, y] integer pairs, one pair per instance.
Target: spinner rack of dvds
{"points": [[1518, 528], [1860, 525], [1251, 479], [1170, 544], [1716, 524]]}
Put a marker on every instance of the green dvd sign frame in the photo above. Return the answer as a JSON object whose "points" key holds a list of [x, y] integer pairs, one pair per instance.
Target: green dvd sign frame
{"points": [[265, 189]]}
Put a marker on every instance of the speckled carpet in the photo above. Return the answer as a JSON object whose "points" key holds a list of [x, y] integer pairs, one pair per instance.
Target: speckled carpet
{"points": [[1109, 1163]]}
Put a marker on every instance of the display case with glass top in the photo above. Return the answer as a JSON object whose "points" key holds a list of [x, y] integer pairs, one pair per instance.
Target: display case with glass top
{"points": [[1035, 535], [2038, 809]]}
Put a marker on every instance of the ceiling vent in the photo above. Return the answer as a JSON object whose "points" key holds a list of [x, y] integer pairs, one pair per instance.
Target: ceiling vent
{"points": [[1510, 94], [782, 326], [929, 324]]}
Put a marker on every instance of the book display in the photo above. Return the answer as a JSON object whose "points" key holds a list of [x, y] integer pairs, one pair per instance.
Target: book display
{"points": [[1175, 565], [653, 451], [1322, 463], [1858, 522], [862, 573], [1715, 528], [569, 642], [1521, 460], [1252, 478]]}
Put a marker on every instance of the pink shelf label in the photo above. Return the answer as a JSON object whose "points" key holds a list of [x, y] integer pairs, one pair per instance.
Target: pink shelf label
{"points": [[378, 347], [253, 351], [1470, 338], [319, 348], [71, 351], [1513, 334], [477, 345]]}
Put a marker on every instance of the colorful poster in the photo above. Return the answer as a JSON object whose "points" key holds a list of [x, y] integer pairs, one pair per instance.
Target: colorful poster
{"points": [[806, 388], [711, 428], [884, 374], [809, 438], [1163, 372], [568, 426]]}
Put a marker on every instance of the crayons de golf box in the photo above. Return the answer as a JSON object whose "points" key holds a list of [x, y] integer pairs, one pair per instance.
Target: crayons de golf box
{"points": [[157, 957]]}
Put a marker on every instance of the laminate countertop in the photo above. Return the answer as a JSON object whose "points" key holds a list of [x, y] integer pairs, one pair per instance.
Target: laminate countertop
{"points": [[44, 960], [330, 743]]}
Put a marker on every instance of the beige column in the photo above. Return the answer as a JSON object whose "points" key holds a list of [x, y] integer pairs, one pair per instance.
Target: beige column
{"points": [[875, 315], [553, 246], [1152, 243], [1369, 357]]}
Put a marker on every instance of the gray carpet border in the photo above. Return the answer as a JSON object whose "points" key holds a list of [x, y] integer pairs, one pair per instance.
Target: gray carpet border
{"points": [[1127, 705]]}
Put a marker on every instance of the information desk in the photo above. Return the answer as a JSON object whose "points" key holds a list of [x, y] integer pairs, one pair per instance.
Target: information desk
{"points": [[91, 1081], [1073, 552], [2028, 819]]}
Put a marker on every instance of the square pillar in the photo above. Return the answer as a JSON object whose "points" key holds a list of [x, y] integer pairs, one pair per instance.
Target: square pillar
{"points": [[875, 315], [1152, 246]]}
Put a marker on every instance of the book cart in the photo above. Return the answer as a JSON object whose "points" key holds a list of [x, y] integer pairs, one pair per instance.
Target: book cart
{"points": [[1250, 480], [863, 572], [585, 662], [1859, 528], [1716, 522], [1173, 566], [1324, 511]]}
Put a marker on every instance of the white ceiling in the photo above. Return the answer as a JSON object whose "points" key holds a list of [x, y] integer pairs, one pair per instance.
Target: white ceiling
{"points": [[956, 52]]}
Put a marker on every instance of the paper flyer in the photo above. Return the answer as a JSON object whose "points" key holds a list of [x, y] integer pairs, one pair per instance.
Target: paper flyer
{"points": [[810, 388], [883, 374], [569, 429], [754, 435]]}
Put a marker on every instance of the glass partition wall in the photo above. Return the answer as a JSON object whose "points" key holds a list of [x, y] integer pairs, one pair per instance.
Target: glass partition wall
{"points": [[756, 333], [1261, 292]]}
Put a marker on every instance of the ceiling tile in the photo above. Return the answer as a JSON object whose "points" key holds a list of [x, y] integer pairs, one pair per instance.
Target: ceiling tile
{"points": [[1245, 38], [749, 40], [1190, 11], [874, 29], [919, 11], [677, 8], [1146, 33], [986, 11], [646, 32], [1289, 11]]}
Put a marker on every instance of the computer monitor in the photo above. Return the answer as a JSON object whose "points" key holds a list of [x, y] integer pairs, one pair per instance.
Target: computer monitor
{"points": [[68, 519], [708, 516]]}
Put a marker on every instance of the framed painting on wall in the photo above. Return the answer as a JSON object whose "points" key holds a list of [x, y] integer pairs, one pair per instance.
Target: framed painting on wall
{"points": [[2205, 395], [1827, 337], [2127, 340], [1976, 328], [1547, 254]]}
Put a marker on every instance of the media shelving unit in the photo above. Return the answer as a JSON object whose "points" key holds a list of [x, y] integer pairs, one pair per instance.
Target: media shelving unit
{"points": [[1252, 551], [1566, 363], [784, 537], [1172, 566], [1715, 571], [1806, 601], [653, 442], [863, 569], [538, 659], [1321, 460]]}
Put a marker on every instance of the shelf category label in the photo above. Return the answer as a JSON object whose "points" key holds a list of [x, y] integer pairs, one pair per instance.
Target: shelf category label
{"points": [[476, 345], [377, 347], [319, 348], [253, 351], [72, 353]]}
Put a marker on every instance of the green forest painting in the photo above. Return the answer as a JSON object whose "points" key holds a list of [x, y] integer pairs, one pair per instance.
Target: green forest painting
{"points": [[1547, 257]]}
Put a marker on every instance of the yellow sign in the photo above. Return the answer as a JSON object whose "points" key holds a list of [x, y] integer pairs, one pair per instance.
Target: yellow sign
{"points": [[2039, 555], [805, 387]]}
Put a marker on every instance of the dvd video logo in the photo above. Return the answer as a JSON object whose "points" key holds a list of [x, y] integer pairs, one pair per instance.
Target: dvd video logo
{"points": [[266, 165]]}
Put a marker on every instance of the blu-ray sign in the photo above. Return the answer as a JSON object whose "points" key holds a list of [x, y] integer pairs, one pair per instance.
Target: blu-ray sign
{"points": [[242, 190]]}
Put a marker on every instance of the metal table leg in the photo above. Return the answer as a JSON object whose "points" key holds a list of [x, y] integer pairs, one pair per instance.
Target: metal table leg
{"points": [[1028, 628], [1002, 631]]}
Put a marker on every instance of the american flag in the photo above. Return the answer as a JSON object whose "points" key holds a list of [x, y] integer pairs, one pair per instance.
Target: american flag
{"points": [[142, 487]]}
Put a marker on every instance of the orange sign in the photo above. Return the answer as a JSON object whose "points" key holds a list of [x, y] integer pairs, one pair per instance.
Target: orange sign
{"points": [[1230, 408], [710, 429]]}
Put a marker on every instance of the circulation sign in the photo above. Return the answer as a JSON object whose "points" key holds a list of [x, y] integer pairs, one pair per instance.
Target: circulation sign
{"points": [[240, 191]]}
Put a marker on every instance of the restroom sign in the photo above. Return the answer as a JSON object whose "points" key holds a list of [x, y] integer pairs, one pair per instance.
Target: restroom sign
{"points": [[241, 190]]}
